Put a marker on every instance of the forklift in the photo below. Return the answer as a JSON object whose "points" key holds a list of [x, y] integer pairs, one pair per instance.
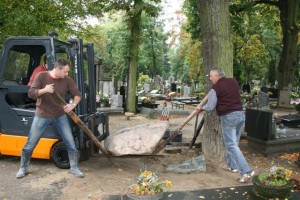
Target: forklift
{"points": [[19, 57]]}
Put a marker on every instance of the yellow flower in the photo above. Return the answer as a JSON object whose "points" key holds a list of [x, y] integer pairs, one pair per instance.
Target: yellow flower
{"points": [[147, 173], [148, 184], [288, 174], [168, 184]]}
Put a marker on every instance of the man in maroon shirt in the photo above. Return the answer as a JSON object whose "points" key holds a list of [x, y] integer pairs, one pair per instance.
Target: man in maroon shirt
{"points": [[224, 96], [49, 112]]}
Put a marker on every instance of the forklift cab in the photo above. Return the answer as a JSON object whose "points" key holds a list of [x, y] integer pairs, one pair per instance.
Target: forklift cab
{"points": [[19, 57]]}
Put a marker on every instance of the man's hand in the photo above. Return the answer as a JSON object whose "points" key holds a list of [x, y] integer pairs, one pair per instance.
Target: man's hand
{"points": [[49, 88], [199, 109], [69, 107]]}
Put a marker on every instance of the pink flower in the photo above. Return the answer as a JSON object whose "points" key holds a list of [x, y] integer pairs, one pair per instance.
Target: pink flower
{"points": [[296, 101], [97, 98]]}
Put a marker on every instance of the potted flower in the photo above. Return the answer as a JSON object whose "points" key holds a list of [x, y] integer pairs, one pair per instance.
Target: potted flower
{"points": [[274, 184], [147, 187], [148, 102], [101, 99]]}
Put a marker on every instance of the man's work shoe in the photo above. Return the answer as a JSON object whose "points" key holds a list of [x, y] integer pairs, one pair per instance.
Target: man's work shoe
{"points": [[25, 159], [21, 173], [246, 177], [76, 172], [229, 169]]}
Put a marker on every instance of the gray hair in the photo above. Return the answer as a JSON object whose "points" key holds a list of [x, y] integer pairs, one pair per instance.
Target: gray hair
{"points": [[217, 71]]}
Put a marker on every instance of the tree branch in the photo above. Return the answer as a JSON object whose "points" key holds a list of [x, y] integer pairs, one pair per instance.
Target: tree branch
{"points": [[253, 3]]}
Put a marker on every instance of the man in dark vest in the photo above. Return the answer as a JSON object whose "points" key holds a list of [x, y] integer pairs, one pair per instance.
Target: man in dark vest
{"points": [[224, 96]]}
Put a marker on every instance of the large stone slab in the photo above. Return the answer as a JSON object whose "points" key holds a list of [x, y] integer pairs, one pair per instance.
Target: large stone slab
{"points": [[136, 140]]}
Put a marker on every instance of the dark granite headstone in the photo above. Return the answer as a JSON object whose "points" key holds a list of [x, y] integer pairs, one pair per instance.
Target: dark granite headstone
{"points": [[246, 88]]}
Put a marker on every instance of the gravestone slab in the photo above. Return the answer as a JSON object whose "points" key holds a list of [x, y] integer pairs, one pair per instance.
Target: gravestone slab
{"points": [[146, 87], [285, 99], [263, 99], [117, 101], [186, 91]]}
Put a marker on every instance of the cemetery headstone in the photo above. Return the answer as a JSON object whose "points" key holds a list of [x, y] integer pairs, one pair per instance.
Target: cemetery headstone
{"points": [[263, 99], [284, 97], [186, 91], [146, 87], [246, 88], [173, 87], [117, 101]]}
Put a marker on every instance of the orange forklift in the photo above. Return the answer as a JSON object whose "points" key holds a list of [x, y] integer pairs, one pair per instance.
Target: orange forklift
{"points": [[19, 57]]}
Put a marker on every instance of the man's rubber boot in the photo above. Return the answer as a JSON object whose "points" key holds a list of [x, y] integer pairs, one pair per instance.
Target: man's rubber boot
{"points": [[25, 159], [73, 165]]}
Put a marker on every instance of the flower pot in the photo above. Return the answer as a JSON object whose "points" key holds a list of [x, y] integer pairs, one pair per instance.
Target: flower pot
{"points": [[145, 197], [102, 104], [149, 105], [267, 192]]}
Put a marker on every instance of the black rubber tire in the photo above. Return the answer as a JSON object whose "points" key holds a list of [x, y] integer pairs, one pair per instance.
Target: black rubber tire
{"points": [[59, 155]]}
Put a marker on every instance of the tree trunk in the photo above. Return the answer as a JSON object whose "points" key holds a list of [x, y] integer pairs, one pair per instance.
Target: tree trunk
{"points": [[217, 51], [135, 23], [289, 12]]}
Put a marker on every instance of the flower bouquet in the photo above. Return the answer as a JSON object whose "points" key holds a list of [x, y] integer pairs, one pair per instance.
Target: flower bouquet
{"points": [[295, 100], [101, 98], [274, 184], [148, 186], [296, 103]]}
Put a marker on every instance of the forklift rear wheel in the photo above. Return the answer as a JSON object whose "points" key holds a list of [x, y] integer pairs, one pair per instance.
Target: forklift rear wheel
{"points": [[59, 155]]}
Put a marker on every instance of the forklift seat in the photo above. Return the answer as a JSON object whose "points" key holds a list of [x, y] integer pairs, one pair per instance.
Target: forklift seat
{"points": [[19, 100]]}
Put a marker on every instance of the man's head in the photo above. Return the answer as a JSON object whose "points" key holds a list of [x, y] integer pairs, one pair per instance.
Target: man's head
{"points": [[215, 74], [61, 68]]}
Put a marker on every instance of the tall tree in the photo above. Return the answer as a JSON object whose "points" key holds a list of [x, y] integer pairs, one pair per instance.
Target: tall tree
{"points": [[289, 20], [133, 9], [217, 50], [135, 27]]}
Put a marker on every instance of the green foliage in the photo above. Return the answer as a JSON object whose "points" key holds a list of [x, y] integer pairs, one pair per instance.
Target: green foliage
{"points": [[153, 50], [186, 60], [143, 78], [256, 42], [34, 18], [191, 12], [257, 35], [115, 46]]}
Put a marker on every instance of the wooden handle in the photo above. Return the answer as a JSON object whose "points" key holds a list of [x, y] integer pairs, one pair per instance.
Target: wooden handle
{"points": [[161, 145], [59, 100]]}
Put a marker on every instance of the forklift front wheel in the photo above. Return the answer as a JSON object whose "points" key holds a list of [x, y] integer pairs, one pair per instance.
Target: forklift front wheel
{"points": [[59, 155]]}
